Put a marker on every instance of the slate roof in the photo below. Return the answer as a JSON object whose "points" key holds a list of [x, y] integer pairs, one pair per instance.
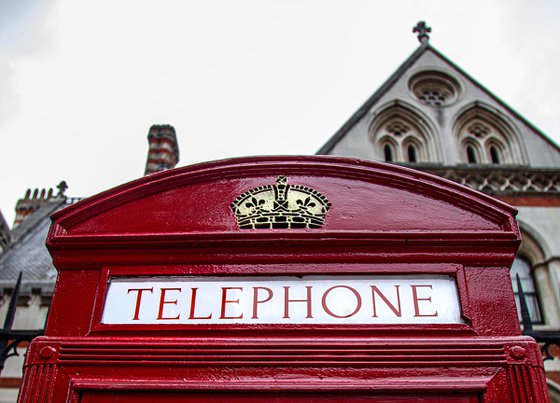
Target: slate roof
{"points": [[371, 101], [27, 252]]}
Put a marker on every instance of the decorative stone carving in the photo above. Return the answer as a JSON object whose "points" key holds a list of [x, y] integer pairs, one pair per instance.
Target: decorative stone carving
{"points": [[280, 206], [434, 88], [502, 181]]}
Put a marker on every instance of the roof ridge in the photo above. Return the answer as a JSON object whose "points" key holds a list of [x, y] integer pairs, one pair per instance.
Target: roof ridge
{"points": [[495, 97], [386, 86], [45, 210]]}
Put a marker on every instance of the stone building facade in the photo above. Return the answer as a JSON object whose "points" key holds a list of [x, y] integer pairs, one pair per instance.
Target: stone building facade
{"points": [[432, 116], [429, 115], [22, 250]]}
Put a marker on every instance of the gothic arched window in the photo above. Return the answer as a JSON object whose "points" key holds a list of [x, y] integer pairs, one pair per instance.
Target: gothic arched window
{"points": [[400, 135], [471, 155], [388, 152], [411, 150], [485, 138], [481, 136], [494, 155]]}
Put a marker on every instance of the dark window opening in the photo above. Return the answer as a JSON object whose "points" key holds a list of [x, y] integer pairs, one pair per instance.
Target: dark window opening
{"points": [[388, 151], [471, 156], [494, 155], [411, 153]]}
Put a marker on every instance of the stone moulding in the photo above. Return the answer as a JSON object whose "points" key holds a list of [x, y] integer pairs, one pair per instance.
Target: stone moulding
{"points": [[496, 180]]}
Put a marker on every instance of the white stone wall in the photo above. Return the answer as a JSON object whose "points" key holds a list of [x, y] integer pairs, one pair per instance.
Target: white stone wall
{"points": [[537, 151]]}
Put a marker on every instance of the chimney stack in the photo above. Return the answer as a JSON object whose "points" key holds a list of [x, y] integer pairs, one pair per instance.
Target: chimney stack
{"points": [[163, 153], [31, 202]]}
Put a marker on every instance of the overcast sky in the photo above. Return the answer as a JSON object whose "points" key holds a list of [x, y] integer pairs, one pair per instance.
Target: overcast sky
{"points": [[81, 82]]}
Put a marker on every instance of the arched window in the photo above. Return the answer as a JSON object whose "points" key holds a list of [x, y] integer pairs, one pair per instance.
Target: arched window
{"points": [[493, 138], [388, 152], [494, 155], [411, 151], [471, 155], [400, 133], [522, 267], [401, 141], [482, 143]]}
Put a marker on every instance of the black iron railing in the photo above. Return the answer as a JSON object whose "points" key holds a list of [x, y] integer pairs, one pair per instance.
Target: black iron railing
{"points": [[545, 339], [10, 339]]}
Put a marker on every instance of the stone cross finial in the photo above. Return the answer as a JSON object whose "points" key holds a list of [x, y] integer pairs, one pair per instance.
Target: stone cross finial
{"points": [[62, 186], [422, 29]]}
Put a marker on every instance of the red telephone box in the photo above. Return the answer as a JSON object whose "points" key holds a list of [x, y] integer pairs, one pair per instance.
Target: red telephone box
{"points": [[284, 279]]}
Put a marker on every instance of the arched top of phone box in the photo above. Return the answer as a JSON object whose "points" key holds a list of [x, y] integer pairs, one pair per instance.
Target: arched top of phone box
{"points": [[284, 197]]}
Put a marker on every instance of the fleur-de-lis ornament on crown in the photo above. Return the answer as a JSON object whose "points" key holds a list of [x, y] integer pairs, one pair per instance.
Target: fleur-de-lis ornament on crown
{"points": [[280, 206]]}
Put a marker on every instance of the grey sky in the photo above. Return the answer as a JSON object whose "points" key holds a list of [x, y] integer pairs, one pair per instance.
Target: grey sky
{"points": [[81, 82]]}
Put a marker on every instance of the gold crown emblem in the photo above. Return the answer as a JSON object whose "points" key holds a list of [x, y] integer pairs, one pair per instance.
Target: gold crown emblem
{"points": [[280, 206]]}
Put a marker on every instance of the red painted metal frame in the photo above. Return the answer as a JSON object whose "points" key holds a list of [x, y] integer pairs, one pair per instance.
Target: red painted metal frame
{"points": [[384, 219]]}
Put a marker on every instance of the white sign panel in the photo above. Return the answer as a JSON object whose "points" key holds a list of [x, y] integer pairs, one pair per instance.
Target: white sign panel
{"points": [[368, 300]]}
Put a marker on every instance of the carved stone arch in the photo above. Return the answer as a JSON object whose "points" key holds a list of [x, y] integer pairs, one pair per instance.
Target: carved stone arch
{"points": [[419, 152], [487, 126], [495, 150], [404, 123], [388, 140], [389, 149], [474, 155], [533, 245]]}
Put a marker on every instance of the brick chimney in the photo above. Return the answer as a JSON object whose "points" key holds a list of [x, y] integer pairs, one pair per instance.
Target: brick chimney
{"points": [[31, 202], [163, 153]]}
